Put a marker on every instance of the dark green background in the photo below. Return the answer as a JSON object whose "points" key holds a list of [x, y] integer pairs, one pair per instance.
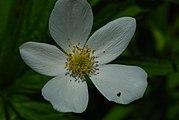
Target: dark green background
{"points": [[154, 47]]}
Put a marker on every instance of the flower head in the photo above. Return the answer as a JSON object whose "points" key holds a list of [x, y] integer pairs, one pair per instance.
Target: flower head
{"points": [[70, 24]]}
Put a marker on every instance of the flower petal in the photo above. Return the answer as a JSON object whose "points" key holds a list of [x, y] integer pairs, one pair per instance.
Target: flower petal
{"points": [[120, 83], [112, 39], [66, 94], [43, 58], [71, 22]]}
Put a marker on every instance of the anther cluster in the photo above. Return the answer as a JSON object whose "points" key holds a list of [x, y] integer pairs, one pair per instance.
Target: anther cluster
{"points": [[81, 62]]}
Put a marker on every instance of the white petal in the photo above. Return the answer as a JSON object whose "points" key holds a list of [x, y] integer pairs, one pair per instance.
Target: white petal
{"points": [[66, 94], [112, 39], [71, 22], [43, 58], [120, 83]]}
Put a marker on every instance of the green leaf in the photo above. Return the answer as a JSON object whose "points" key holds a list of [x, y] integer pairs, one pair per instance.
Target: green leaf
{"points": [[93, 2], [130, 11], [173, 84], [158, 24], [30, 82], [2, 111], [173, 112], [118, 113], [160, 38], [153, 66], [36, 110], [4, 12], [22, 21]]}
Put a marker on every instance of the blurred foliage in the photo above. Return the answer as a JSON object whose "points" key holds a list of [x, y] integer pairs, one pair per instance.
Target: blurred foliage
{"points": [[154, 47]]}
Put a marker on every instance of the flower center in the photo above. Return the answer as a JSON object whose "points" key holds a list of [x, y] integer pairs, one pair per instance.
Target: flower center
{"points": [[81, 62]]}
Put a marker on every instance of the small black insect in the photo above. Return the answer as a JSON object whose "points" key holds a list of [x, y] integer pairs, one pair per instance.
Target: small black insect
{"points": [[119, 94]]}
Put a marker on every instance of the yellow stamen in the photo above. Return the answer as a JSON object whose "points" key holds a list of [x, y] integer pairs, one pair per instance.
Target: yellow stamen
{"points": [[81, 62]]}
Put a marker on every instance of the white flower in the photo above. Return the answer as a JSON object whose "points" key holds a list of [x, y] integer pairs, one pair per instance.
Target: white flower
{"points": [[70, 25]]}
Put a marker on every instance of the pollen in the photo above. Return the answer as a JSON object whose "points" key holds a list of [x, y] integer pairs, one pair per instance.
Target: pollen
{"points": [[81, 62]]}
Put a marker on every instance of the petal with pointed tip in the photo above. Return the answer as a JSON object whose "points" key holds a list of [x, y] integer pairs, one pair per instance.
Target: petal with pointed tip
{"points": [[112, 39]]}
